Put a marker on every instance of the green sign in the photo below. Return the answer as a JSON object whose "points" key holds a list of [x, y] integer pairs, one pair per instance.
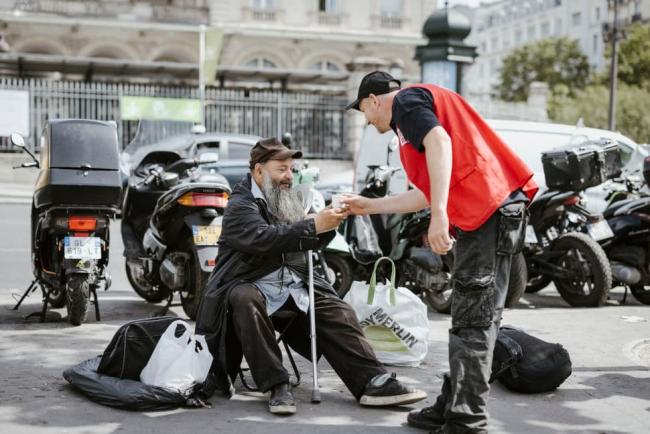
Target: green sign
{"points": [[169, 109]]}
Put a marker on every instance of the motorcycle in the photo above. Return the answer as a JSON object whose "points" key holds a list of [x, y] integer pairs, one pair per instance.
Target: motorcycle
{"points": [[562, 247], [171, 222], [75, 197], [628, 215], [402, 237]]}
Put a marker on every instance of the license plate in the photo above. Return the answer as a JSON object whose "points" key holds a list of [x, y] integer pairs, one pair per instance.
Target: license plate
{"points": [[206, 235], [600, 230], [82, 248], [530, 238]]}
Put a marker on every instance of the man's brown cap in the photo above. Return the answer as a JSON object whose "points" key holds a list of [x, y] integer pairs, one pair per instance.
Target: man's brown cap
{"points": [[271, 149]]}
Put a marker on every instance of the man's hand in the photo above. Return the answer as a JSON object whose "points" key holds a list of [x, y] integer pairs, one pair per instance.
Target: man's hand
{"points": [[329, 219], [357, 205], [438, 235]]}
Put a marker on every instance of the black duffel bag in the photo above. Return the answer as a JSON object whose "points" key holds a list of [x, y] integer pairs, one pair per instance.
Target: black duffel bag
{"points": [[131, 347], [526, 364]]}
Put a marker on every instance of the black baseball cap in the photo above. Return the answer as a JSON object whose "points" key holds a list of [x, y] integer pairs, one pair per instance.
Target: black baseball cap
{"points": [[271, 149], [377, 83]]}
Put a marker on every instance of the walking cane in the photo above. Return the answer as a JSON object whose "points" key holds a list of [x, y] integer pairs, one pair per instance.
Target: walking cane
{"points": [[315, 392]]}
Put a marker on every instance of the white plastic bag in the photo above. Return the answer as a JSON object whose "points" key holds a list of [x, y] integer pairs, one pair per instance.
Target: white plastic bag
{"points": [[393, 319], [178, 363]]}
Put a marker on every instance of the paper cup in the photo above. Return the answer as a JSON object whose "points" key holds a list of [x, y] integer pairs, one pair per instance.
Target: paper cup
{"points": [[336, 201]]}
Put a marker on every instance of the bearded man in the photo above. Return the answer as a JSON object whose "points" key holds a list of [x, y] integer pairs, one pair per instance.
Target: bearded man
{"points": [[262, 270]]}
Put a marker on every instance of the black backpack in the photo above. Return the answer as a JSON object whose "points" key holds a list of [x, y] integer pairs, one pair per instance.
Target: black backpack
{"points": [[131, 347], [526, 364]]}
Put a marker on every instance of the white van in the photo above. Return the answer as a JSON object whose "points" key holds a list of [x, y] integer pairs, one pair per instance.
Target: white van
{"points": [[527, 139]]}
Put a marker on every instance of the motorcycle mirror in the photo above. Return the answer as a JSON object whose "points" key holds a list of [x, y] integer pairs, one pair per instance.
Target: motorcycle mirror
{"points": [[392, 146], [17, 140]]}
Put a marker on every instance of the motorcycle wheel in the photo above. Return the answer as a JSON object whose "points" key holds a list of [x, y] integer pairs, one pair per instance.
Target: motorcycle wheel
{"points": [[340, 272], [56, 298], [142, 287], [641, 293], [592, 276], [77, 294], [518, 280], [195, 280]]}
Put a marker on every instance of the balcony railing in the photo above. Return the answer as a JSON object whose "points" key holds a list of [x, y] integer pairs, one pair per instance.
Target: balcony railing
{"points": [[330, 18], [393, 22], [183, 11], [260, 14]]}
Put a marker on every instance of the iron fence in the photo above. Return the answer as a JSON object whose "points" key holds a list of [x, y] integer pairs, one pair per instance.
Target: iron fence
{"points": [[315, 121]]}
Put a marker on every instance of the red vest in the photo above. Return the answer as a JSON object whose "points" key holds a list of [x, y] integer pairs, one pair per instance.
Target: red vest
{"points": [[485, 171]]}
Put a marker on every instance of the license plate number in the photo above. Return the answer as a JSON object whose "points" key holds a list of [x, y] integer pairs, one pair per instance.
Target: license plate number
{"points": [[600, 230], [206, 235], [82, 248], [530, 238]]}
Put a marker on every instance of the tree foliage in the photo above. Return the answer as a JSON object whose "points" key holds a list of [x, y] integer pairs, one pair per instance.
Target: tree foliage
{"points": [[556, 61], [591, 104], [634, 56]]}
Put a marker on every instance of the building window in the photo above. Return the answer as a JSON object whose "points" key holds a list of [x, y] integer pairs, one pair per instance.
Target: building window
{"points": [[531, 33], [325, 66], [597, 15], [264, 4], [519, 36], [328, 6], [493, 67], [596, 38], [390, 8], [483, 48], [575, 18], [495, 44], [260, 63], [546, 29], [506, 42], [558, 26], [558, 3]]}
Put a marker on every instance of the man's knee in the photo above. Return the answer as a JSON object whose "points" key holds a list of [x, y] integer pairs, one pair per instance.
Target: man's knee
{"points": [[245, 298]]}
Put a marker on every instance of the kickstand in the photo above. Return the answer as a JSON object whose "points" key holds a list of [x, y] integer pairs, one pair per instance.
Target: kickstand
{"points": [[164, 310], [43, 312], [625, 294], [96, 303], [27, 293]]}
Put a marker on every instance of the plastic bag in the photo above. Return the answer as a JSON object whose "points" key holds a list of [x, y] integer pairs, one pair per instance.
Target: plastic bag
{"points": [[178, 363], [393, 319]]}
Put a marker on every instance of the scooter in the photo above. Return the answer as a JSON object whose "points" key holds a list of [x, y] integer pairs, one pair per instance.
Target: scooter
{"points": [[171, 223], [402, 237], [76, 195], [628, 215]]}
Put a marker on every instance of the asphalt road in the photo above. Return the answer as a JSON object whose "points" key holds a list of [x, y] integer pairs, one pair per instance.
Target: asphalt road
{"points": [[608, 392]]}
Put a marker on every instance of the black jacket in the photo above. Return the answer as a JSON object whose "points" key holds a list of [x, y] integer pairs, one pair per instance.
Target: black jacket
{"points": [[250, 247]]}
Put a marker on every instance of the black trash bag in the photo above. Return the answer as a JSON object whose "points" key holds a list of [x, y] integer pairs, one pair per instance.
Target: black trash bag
{"points": [[526, 364], [131, 347], [120, 393]]}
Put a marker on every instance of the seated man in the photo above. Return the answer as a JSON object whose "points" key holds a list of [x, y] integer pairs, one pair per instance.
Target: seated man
{"points": [[261, 269]]}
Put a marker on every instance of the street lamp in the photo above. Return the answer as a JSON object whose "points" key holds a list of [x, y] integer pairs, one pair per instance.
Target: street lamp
{"points": [[442, 59]]}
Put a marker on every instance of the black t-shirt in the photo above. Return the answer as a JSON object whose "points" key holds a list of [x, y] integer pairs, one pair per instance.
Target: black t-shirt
{"points": [[413, 114]]}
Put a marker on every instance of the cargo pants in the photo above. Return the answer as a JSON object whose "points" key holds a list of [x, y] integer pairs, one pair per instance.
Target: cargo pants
{"points": [[481, 276]]}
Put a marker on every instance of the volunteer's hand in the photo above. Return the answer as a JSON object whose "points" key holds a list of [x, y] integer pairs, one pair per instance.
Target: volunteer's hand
{"points": [[329, 219], [438, 234], [357, 205]]}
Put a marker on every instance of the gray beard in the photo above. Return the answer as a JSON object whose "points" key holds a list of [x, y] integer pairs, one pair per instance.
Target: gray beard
{"points": [[284, 205]]}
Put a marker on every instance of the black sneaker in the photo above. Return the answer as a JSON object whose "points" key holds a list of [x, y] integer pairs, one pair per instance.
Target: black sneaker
{"points": [[385, 390], [426, 418], [281, 400]]}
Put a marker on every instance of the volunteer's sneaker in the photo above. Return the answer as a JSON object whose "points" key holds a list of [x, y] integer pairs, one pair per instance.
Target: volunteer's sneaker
{"points": [[281, 400], [426, 418], [385, 390]]}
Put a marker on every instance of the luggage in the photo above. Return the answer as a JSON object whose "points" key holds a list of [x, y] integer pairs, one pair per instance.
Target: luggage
{"points": [[131, 347], [576, 168], [526, 364]]}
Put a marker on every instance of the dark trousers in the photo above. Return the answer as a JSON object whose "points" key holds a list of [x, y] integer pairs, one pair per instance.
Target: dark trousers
{"points": [[338, 336], [481, 277]]}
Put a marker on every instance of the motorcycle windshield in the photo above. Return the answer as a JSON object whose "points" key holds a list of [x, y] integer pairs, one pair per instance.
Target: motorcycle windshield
{"points": [[156, 135]]}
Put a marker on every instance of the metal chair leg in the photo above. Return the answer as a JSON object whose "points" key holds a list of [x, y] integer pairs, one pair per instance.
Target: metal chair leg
{"points": [[296, 372]]}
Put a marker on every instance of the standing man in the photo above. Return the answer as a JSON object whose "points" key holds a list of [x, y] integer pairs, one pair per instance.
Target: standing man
{"points": [[476, 187]]}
